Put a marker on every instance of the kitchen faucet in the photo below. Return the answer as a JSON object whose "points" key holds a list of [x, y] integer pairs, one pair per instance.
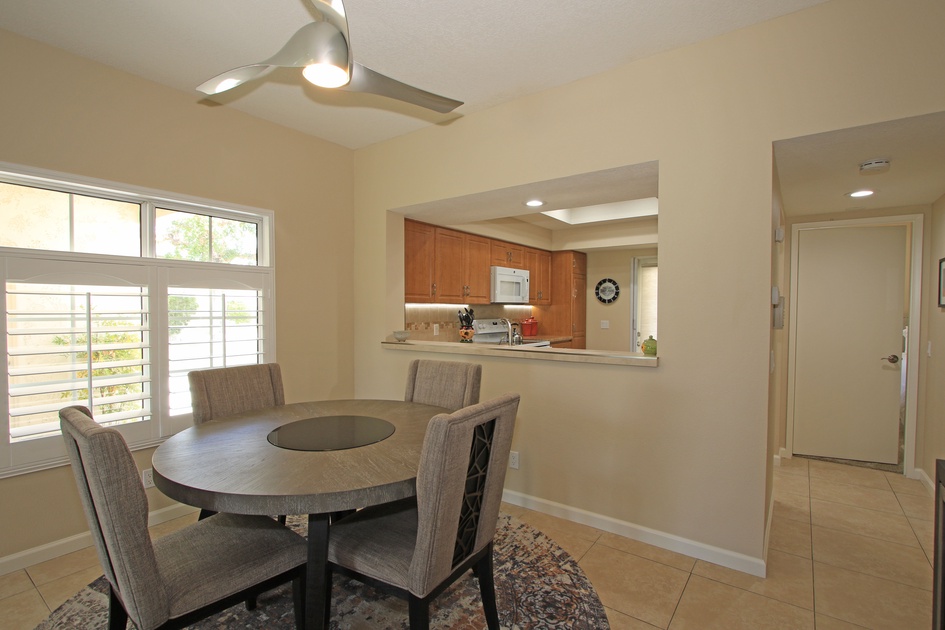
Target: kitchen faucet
{"points": [[509, 325], [514, 337]]}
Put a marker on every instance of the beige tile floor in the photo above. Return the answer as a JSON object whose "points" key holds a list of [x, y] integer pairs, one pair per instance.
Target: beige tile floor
{"points": [[850, 548]]}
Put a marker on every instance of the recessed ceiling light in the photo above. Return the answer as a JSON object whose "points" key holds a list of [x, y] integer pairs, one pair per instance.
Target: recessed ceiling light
{"points": [[534, 203], [860, 193]]}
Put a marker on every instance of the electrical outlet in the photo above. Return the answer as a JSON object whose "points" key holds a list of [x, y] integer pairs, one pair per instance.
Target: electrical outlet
{"points": [[147, 478], [436, 329], [513, 460]]}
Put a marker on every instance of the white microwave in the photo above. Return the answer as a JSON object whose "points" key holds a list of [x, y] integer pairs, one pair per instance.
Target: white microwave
{"points": [[509, 286]]}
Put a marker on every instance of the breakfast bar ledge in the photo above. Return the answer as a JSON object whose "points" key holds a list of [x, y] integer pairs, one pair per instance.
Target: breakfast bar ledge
{"points": [[526, 352]]}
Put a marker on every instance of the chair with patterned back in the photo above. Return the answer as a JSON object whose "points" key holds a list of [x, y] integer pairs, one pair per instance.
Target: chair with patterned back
{"points": [[184, 576], [421, 545], [449, 384]]}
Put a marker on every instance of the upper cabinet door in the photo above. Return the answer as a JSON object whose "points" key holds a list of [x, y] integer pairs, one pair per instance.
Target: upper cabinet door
{"points": [[449, 269], [478, 276], [538, 263], [419, 252], [508, 255]]}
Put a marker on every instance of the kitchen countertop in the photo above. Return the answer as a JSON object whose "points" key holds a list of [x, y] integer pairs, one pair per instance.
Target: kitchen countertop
{"points": [[548, 338], [526, 352]]}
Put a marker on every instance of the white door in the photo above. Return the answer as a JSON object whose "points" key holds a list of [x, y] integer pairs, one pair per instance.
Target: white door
{"points": [[850, 307]]}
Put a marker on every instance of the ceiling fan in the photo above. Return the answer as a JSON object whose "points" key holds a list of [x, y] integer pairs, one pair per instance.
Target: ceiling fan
{"points": [[322, 49]]}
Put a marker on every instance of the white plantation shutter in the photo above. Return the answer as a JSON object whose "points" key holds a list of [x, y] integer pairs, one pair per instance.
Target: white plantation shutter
{"points": [[71, 342], [213, 322]]}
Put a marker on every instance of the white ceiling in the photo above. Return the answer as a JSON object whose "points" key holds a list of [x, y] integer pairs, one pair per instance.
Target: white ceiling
{"points": [[482, 53]]}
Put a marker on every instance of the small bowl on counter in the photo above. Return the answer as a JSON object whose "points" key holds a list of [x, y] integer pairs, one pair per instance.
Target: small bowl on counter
{"points": [[401, 335]]}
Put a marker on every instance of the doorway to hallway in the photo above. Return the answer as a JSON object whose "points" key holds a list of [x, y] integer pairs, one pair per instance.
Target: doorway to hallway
{"points": [[854, 297]]}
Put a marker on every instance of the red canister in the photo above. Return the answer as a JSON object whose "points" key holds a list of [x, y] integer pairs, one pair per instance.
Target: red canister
{"points": [[529, 327]]}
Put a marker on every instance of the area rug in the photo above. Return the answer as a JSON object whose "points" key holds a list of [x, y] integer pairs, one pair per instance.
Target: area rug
{"points": [[538, 585]]}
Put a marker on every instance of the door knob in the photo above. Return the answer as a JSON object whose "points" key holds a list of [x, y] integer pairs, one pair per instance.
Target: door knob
{"points": [[893, 358]]}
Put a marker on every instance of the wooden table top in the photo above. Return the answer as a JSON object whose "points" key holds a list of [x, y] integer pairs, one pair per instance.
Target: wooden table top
{"points": [[228, 465]]}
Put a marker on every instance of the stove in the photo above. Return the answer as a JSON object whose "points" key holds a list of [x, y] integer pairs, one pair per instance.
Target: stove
{"points": [[496, 332]]}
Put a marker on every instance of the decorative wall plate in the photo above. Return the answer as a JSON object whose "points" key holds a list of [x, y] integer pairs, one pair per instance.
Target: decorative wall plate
{"points": [[607, 290]]}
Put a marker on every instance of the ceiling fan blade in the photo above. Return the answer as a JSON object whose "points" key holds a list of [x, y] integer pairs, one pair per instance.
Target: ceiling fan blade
{"points": [[333, 12], [231, 78], [302, 49], [363, 79]]}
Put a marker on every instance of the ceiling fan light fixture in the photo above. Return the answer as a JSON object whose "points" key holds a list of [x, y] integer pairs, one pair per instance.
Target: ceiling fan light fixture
{"points": [[326, 56], [325, 75]]}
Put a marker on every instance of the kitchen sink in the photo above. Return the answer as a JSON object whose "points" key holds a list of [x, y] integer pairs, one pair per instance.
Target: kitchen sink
{"points": [[536, 343]]}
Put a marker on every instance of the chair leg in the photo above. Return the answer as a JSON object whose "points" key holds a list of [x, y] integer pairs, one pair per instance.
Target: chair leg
{"points": [[117, 615], [487, 589], [419, 613], [298, 600]]}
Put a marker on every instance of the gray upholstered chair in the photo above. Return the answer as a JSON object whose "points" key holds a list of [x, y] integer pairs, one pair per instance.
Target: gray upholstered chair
{"points": [[450, 384], [185, 576], [420, 546], [220, 392], [227, 391]]}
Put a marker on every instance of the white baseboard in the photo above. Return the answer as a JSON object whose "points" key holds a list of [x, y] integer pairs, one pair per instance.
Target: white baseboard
{"points": [[926, 480], [691, 548], [29, 557]]}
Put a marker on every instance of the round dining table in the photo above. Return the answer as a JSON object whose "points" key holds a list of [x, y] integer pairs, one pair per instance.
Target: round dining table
{"points": [[336, 460]]}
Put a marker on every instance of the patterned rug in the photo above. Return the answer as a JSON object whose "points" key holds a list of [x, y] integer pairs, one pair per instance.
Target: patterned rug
{"points": [[538, 585]]}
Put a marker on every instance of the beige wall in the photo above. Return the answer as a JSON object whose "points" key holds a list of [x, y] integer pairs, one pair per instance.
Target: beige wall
{"points": [[66, 114], [931, 430], [682, 449]]}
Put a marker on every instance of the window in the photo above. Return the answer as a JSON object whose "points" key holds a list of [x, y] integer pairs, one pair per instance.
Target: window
{"points": [[196, 237], [112, 296], [645, 289], [38, 218]]}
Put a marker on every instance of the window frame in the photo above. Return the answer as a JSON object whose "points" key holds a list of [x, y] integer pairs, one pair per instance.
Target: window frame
{"points": [[638, 263], [47, 452]]}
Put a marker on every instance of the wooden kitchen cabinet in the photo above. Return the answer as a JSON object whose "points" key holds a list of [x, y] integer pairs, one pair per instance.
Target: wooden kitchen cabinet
{"points": [[442, 265], [419, 256], [538, 263], [508, 255], [568, 311], [478, 272], [449, 266]]}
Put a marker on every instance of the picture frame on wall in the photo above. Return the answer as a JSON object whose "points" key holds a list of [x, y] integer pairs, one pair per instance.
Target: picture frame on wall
{"points": [[941, 282]]}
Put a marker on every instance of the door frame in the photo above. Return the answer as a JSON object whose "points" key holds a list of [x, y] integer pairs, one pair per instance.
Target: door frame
{"points": [[915, 221]]}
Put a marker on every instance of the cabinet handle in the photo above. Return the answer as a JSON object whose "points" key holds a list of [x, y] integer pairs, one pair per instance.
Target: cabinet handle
{"points": [[434, 288]]}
